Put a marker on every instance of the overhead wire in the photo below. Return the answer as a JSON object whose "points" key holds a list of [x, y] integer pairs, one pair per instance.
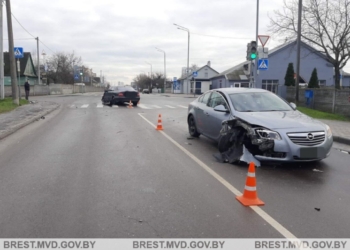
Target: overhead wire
{"points": [[30, 34], [228, 37]]}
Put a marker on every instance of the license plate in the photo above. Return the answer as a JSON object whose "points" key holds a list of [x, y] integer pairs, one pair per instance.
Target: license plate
{"points": [[308, 153]]}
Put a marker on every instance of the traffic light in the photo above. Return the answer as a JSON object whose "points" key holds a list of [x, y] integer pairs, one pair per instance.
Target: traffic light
{"points": [[253, 50], [248, 51]]}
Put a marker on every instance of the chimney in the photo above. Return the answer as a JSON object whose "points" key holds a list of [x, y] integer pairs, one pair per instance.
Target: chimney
{"points": [[208, 63]]}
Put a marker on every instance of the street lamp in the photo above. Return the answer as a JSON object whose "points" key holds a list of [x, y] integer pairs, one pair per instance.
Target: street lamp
{"points": [[151, 74], [164, 66], [188, 51]]}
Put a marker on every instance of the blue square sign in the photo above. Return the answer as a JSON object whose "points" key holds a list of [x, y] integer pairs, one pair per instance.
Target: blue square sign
{"points": [[263, 64], [18, 52]]}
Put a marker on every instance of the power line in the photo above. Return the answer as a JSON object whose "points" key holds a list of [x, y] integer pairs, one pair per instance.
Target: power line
{"points": [[21, 25], [21, 39], [228, 37], [46, 46], [30, 34]]}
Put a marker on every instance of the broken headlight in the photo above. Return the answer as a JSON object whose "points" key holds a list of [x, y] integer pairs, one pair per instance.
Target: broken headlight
{"points": [[268, 134]]}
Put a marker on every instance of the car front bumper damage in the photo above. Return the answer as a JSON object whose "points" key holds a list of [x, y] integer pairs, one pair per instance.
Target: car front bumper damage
{"points": [[239, 141]]}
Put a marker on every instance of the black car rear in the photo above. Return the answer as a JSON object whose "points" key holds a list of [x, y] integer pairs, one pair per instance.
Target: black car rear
{"points": [[121, 94]]}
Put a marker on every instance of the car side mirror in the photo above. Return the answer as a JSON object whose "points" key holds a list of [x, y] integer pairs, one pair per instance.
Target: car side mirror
{"points": [[221, 108], [293, 105]]}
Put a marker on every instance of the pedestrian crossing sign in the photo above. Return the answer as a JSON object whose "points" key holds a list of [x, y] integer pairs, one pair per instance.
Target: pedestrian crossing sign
{"points": [[263, 64], [18, 52]]}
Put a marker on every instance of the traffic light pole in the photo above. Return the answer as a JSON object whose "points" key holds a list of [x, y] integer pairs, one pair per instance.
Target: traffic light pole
{"points": [[256, 40]]}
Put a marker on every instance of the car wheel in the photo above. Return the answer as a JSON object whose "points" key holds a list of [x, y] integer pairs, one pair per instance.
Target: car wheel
{"points": [[192, 128], [134, 103]]}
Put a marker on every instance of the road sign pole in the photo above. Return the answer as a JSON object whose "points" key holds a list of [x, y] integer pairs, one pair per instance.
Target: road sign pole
{"points": [[19, 73]]}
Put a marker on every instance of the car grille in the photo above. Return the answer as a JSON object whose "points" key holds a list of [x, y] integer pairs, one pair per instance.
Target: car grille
{"points": [[307, 139]]}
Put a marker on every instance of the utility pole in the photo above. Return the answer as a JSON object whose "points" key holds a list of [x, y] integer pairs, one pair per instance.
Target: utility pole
{"points": [[2, 90], [298, 53], [255, 73], [90, 77], [15, 97], [188, 55], [37, 46]]}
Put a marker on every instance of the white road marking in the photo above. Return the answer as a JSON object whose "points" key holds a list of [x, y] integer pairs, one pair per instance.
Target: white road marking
{"points": [[143, 106], [170, 106], [115, 106], [275, 224], [158, 107], [84, 106], [100, 105], [182, 106]]}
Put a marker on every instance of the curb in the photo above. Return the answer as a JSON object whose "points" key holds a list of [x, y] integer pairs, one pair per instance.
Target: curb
{"points": [[341, 140], [31, 120]]}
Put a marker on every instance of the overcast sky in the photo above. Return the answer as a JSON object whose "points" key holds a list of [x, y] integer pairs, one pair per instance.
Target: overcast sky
{"points": [[118, 37]]}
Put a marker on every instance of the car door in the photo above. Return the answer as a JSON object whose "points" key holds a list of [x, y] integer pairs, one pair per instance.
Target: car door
{"points": [[200, 108], [214, 119]]}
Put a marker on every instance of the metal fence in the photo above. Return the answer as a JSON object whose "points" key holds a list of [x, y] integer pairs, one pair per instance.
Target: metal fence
{"points": [[323, 99]]}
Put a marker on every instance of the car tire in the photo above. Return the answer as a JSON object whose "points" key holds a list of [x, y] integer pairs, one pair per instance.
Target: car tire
{"points": [[134, 103], [192, 128]]}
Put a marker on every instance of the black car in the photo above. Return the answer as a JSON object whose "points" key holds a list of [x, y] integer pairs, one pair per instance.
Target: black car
{"points": [[120, 94]]}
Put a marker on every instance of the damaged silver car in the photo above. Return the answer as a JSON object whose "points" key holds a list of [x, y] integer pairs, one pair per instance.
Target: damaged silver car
{"points": [[257, 125]]}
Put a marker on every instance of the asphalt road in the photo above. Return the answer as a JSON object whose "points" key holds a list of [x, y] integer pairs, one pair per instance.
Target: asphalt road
{"points": [[88, 171]]}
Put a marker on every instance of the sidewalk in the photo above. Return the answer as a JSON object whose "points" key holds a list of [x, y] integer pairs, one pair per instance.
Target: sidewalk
{"points": [[12, 121]]}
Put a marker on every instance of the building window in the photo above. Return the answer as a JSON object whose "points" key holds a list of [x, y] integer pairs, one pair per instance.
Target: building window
{"points": [[322, 83], [270, 85], [206, 74]]}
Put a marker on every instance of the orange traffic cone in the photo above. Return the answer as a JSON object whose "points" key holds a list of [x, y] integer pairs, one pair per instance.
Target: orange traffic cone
{"points": [[250, 196], [159, 125], [130, 105]]}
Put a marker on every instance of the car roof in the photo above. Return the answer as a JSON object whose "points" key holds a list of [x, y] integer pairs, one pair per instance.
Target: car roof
{"points": [[240, 90]]}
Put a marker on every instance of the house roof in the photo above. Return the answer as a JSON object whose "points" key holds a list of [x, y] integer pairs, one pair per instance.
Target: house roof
{"points": [[236, 72], [294, 43], [23, 64], [190, 76]]}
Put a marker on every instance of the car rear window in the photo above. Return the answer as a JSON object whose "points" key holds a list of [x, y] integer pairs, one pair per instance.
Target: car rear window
{"points": [[123, 88]]}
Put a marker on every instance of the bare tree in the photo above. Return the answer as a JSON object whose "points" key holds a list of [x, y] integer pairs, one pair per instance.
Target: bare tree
{"points": [[60, 67], [325, 26], [142, 81]]}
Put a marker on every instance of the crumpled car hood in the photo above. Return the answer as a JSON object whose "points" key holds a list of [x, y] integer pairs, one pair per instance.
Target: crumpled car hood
{"points": [[280, 119]]}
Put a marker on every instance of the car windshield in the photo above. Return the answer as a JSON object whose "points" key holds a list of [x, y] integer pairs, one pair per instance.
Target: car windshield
{"points": [[258, 102]]}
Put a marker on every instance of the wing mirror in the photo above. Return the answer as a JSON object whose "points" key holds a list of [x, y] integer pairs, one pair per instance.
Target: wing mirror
{"points": [[221, 108], [293, 105]]}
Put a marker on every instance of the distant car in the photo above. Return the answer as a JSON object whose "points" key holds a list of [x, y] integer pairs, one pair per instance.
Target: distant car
{"points": [[120, 94], [145, 91], [260, 122]]}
